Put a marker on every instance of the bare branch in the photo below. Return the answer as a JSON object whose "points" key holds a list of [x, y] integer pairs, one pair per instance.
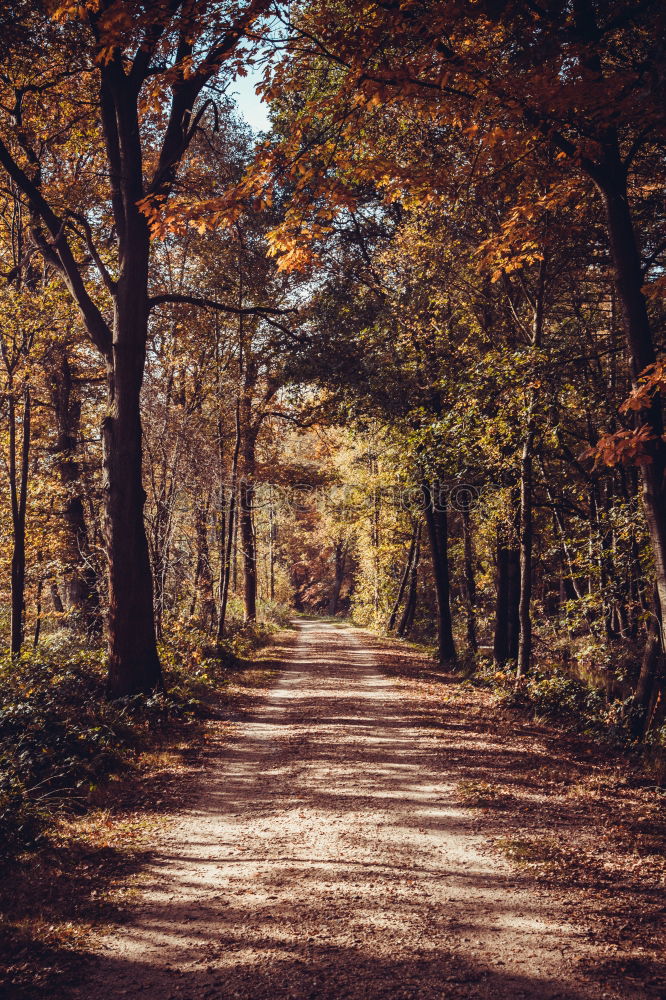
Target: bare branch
{"points": [[59, 252], [205, 303], [109, 283]]}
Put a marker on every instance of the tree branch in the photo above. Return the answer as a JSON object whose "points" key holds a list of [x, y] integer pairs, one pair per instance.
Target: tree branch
{"points": [[59, 252], [109, 283], [205, 303]]}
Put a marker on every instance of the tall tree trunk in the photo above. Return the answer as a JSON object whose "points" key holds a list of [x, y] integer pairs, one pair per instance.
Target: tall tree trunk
{"points": [[470, 582], [407, 619], [18, 486], [339, 568], [249, 549], [376, 500], [628, 276], [234, 549], [272, 536], [134, 664], [202, 596], [38, 602], [526, 526], [404, 579], [247, 526], [80, 583], [437, 525], [507, 625], [228, 553], [525, 585]]}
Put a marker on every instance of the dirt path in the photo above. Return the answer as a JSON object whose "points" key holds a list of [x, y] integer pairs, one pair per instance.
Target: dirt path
{"points": [[328, 858]]}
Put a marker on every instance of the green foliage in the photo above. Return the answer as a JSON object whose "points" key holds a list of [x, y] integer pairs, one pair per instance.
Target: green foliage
{"points": [[570, 701], [60, 739]]}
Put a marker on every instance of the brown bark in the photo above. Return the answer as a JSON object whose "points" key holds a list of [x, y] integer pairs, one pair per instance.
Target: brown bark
{"points": [[526, 526], [507, 625], [79, 579], [247, 495], [248, 540], [611, 179], [56, 599], [470, 582], [340, 550], [407, 619], [525, 540], [227, 552], [18, 487], [437, 526], [202, 596], [38, 604], [403, 580], [133, 660], [272, 538]]}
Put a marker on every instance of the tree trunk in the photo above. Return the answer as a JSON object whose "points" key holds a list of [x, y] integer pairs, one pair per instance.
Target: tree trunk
{"points": [[507, 624], [134, 664], [436, 523], [18, 485], [405, 625], [247, 522], [525, 583], [38, 603], [470, 582], [628, 278], [526, 526], [228, 553], [272, 536], [80, 583], [375, 538], [404, 579], [202, 596], [340, 560]]}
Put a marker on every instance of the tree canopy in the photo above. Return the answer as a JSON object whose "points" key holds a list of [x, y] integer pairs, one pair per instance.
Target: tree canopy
{"points": [[400, 356]]}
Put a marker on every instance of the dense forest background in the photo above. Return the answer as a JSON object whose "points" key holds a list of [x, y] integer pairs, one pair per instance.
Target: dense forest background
{"points": [[399, 358]]}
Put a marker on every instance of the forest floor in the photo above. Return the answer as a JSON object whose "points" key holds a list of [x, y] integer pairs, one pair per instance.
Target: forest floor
{"points": [[370, 829]]}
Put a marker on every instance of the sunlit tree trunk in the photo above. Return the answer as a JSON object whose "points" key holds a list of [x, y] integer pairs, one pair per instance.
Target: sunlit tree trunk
{"points": [[272, 538], [526, 533], [247, 534], [202, 591]]}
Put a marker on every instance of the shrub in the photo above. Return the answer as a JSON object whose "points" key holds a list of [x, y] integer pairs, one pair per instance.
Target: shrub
{"points": [[560, 697], [60, 738]]}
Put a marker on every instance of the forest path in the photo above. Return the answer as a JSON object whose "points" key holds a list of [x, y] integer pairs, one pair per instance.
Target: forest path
{"points": [[326, 857]]}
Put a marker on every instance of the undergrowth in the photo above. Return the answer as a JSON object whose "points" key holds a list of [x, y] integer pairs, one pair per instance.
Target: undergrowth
{"points": [[60, 739], [572, 703]]}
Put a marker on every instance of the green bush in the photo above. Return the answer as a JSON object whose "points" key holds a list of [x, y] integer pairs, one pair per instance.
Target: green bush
{"points": [[60, 738], [559, 697]]}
